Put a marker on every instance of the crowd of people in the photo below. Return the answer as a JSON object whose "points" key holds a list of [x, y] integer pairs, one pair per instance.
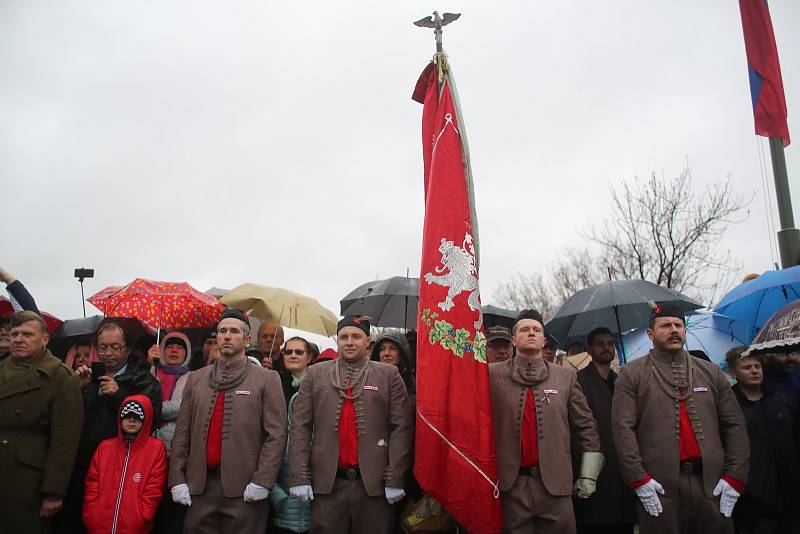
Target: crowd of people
{"points": [[251, 432]]}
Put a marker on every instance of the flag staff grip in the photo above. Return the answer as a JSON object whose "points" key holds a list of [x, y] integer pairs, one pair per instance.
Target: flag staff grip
{"points": [[788, 235]]}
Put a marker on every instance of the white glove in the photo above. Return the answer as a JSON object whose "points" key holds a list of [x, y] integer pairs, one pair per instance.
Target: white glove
{"points": [[394, 495], [254, 493], [648, 494], [304, 493], [180, 494], [727, 497]]}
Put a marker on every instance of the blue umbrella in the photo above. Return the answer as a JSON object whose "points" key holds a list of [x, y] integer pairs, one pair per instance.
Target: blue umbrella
{"points": [[710, 332], [754, 301]]}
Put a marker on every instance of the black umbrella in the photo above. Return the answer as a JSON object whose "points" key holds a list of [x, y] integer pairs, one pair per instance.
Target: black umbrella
{"points": [[390, 302], [74, 329], [619, 305], [495, 316]]}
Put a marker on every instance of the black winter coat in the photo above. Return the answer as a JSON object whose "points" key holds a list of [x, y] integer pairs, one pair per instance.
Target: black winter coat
{"points": [[774, 469], [613, 503]]}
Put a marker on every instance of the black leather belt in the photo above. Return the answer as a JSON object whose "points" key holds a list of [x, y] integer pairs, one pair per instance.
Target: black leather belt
{"points": [[349, 473], [532, 471], [691, 466]]}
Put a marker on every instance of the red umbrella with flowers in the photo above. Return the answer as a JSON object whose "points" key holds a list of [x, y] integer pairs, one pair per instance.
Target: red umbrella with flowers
{"points": [[160, 305]]}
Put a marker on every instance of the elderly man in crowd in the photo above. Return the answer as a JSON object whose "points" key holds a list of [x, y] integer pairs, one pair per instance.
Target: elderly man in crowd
{"points": [[539, 409], [550, 350], [498, 344], [680, 436], [230, 438], [126, 374], [270, 339], [40, 420], [611, 509], [350, 440]]}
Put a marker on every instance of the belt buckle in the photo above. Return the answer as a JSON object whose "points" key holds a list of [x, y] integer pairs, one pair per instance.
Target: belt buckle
{"points": [[351, 474], [535, 471], [687, 467]]}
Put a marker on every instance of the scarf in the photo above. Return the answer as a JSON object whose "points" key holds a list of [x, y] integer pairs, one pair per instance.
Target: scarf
{"points": [[349, 376], [168, 376], [226, 376], [528, 373]]}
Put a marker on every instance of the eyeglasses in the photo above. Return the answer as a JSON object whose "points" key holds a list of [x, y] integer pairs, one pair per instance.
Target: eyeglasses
{"points": [[106, 349], [289, 352]]}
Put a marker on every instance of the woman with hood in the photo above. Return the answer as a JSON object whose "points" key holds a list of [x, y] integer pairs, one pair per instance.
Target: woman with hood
{"points": [[393, 348], [126, 477], [170, 362]]}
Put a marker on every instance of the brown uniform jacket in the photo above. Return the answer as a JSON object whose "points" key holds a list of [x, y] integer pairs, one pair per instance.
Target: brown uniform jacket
{"points": [[613, 502], [383, 419], [645, 423], [41, 414], [253, 432], [565, 413]]}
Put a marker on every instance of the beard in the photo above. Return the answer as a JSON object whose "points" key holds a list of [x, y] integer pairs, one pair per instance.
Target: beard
{"points": [[605, 357]]}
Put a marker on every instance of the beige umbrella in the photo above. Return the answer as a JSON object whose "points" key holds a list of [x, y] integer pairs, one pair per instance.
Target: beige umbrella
{"points": [[285, 307]]}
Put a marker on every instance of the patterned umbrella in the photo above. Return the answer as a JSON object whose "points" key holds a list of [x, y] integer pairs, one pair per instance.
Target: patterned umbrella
{"points": [[781, 333], [7, 310], [160, 305]]}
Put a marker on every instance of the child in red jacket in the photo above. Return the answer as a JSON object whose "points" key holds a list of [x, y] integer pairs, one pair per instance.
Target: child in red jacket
{"points": [[126, 478]]}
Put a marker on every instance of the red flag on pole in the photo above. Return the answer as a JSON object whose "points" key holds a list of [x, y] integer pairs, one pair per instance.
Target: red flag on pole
{"points": [[455, 459], [764, 69]]}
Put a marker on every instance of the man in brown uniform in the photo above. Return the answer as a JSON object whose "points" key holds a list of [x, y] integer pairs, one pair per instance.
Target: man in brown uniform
{"points": [[350, 441], [537, 407], [680, 435], [41, 414], [229, 439]]}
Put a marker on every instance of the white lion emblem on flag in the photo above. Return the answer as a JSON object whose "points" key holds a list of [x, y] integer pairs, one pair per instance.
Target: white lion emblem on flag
{"points": [[458, 264]]}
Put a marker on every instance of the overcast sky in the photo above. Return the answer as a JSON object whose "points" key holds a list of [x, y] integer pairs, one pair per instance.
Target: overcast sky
{"points": [[276, 142]]}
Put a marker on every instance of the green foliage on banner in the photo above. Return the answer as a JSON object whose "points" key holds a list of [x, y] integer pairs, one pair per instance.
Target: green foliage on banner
{"points": [[457, 341]]}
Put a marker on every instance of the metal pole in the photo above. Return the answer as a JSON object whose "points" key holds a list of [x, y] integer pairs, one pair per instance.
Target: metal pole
{"points": [[788, 235], [624, 358], [83, 299]]}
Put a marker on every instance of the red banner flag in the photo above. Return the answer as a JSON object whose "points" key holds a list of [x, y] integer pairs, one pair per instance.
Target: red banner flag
{"points": [[455, 459], [764, 70]]}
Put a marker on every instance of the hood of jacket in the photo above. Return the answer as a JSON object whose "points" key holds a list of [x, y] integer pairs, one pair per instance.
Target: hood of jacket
{"points": [[399, 339], [144, 433], [182, 336]]}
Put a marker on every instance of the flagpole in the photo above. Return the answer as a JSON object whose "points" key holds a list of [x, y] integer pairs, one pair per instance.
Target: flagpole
{"points": [[788, 235]]}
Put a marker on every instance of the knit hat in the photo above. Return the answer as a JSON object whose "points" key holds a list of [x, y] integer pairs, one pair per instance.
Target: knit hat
{"points": [[358, 321], [175, 341], [132, 408]]}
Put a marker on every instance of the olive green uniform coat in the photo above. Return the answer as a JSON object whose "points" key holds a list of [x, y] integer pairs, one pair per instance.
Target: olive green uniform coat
{"points": [[41, 414]]}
